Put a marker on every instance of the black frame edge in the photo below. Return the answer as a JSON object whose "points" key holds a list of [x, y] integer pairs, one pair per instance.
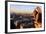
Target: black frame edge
{"points": [[5, 16], [27, 2]]}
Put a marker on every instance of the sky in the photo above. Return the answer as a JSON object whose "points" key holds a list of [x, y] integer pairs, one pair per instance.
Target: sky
{"points": [[23, 7]]}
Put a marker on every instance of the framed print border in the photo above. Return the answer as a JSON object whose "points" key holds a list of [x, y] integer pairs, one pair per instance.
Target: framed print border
{"points": [[6, 6]]}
